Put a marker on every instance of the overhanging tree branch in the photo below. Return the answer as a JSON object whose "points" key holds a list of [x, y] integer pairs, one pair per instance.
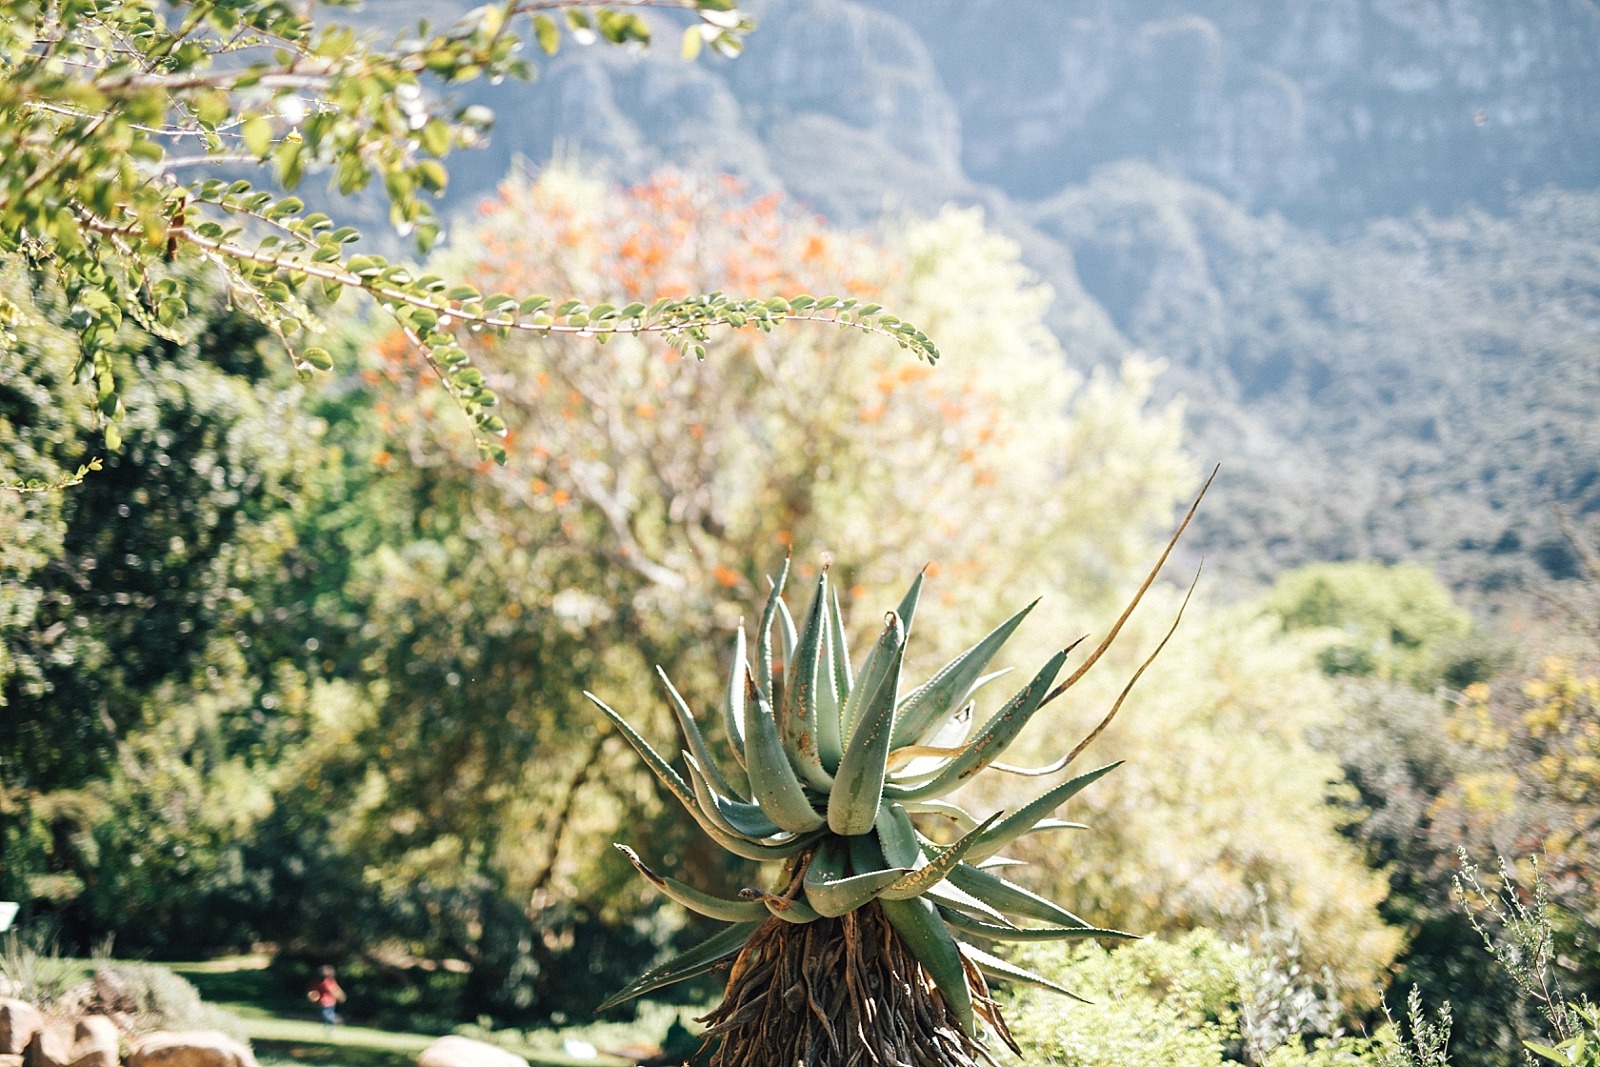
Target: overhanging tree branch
{"points": [[93, 100]]}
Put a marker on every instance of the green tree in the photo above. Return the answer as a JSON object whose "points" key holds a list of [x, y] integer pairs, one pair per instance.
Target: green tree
{"points": [[138, 639], [1390, 621], [124, 125]]}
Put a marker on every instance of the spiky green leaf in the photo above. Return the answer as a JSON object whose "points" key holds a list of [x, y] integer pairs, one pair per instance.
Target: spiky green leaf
{"points": [[1031, 816], [773, 780], [1008, 897], [798, 722], [695, 741], [923, 878], [947, 690], [995, 967], [925, 934], [764, 634], [834, 892], [991, 741], [736, 817], [737, 844], [968, 925], [733, 697], [697, 960], [712, 907], [858, 787]]}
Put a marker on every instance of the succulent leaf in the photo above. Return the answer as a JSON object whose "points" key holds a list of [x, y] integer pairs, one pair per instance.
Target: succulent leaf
{"points": [[733, 698], [798, 722], [736, 817], [697, 960], [897, 837], [995, 967], [858, 787], [795, 911], [764, 634], [921, 879], [738, 845], [831, 891], [787, 630], [1010, 898], [929, 940], [1032, 816], [712, 907], [652, 759], [957, 727], [843, 679], [949, 687], [908, 603], [998, 733], [695, 741], [830, 745], [964, 822], [977, 928], [772, 778], [945, 894]]}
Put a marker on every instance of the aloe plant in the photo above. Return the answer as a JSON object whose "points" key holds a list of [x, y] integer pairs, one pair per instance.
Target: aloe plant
{"points": [[863, 951]]}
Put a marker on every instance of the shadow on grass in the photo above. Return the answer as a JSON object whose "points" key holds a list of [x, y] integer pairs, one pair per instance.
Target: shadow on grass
{"points": [[260, 987], [313, 1054]]}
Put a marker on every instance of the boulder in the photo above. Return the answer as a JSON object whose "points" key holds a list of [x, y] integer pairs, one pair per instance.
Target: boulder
{"points": [[456, 1051], [190, 1048], [89, 1042], [19, 1021]]}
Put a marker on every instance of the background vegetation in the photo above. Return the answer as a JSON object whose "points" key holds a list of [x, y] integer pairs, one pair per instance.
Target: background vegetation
{"points": [[294, 670]]}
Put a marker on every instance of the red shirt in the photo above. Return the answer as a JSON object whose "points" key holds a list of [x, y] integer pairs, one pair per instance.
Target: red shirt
{"points": [[327, 992]]}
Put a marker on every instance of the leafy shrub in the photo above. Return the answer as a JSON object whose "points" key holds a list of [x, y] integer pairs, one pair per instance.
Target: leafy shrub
{"points": [[1177, 1003], [157, 999]]}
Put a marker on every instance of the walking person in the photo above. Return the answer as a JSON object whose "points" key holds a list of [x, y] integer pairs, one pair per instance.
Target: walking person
{"points": [[327, 996]]}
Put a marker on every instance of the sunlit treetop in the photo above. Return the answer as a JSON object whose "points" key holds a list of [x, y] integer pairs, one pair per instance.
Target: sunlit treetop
{"points": [[124, 125]]}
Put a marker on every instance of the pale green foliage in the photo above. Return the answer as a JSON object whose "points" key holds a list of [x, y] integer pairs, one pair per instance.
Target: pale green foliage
{"points": [[158, 999], [1175, 1003], [1426, 1042], [1223, 794], [1150, 1002], [33, 967], [1390, 621]]}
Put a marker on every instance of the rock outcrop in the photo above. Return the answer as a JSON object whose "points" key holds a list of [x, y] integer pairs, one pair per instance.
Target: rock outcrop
{"points": [[456, 1051], [91, 1041], [189, 1048], [19, 1021]]}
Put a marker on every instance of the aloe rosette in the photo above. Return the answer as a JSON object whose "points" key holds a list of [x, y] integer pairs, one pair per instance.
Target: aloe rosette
{"points": [[828, 766]]}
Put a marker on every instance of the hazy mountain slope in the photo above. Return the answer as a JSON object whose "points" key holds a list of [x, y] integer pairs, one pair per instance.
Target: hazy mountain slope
{"points": [[1429, 386]]}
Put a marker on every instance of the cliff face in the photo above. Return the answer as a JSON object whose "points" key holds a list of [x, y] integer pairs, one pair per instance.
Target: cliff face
{"points": [[1328, 112]]}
